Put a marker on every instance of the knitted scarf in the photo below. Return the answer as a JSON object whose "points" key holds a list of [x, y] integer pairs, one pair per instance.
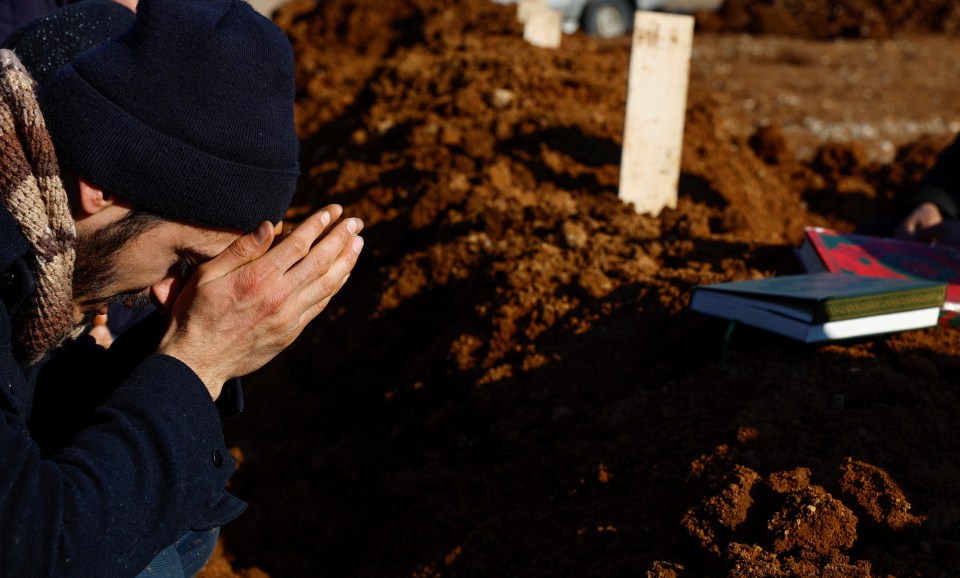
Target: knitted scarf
{"points": [[30, 187]]}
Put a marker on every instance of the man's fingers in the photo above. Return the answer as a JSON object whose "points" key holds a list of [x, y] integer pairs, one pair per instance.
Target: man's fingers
{"points": [[317, 285], [295, 245], [244, 249]]}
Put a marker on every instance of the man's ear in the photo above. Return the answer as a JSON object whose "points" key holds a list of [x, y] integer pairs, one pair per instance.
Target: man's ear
{"points": [[93, 199]]}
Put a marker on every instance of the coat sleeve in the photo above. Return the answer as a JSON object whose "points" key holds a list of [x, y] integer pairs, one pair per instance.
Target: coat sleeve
{"points": [[149, 465]]}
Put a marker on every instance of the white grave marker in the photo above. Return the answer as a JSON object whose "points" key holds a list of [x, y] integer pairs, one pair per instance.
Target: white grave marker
{"points": [[656, 110], [526, 7], [544, 27]]}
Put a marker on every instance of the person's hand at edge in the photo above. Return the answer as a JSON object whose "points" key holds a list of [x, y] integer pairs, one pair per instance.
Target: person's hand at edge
{"points": [[946, 233], [243, 307], [100, 332], [131, 4], [924, 216]]}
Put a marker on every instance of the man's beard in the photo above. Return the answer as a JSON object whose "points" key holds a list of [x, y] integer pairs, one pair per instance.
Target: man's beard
{"points": [[95, 268]]}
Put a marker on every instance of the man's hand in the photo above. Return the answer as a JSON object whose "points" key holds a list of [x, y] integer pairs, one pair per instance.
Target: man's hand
{"points": [[131, 4], [946, 233], [926, 215], [100, 332], [243, 307]]}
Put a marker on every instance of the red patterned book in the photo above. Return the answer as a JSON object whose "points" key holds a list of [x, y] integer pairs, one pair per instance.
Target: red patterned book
{"points": [[871, 256]]}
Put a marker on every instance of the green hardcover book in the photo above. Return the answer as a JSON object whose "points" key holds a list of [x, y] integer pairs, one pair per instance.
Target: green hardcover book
{"points": [[825, 306]]}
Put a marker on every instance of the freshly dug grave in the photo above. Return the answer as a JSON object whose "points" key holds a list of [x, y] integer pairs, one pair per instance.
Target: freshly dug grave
{"points": [[875, 19], [510, 384]]}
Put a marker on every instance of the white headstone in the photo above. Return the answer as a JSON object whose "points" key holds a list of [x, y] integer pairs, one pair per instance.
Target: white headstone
{"points": [[656, 110], [526, 7], [543, 28]]}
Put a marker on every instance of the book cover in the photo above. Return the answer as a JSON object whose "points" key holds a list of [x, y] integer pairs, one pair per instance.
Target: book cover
{"points": [[833, 297], [824, 306], [828, 250]]}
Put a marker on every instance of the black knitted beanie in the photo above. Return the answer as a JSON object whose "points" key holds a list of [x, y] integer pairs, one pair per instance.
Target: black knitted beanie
{"points": [[47, 43], [189, 114]]}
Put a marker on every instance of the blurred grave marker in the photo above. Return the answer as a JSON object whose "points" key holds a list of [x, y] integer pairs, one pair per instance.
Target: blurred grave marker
{"points": [[656, 109], [526, 7], [543, 26]]}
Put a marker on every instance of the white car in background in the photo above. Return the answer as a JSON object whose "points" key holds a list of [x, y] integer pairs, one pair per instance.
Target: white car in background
{"points": [[610, 18]]}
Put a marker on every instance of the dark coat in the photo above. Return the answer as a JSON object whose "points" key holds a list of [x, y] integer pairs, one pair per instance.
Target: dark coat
{"points": [[95, 481]]}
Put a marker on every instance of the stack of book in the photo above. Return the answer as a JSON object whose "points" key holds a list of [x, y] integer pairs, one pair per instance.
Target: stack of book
{"points": [[824, 306]]}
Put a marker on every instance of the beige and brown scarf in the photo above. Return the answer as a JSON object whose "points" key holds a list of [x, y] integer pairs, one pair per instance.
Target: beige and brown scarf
{"points": [[33, 193]]}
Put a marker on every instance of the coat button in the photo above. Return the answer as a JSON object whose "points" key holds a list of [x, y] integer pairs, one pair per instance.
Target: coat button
{"points": [[217, 458]]}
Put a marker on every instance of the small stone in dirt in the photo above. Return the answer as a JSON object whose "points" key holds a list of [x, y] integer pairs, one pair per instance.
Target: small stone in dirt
{"points": [[575, 235], [595, 282], [502, 98], [812, 523]]}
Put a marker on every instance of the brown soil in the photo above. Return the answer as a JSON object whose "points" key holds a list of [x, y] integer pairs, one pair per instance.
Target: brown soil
{"points": [[511, 384], [841, 18]]}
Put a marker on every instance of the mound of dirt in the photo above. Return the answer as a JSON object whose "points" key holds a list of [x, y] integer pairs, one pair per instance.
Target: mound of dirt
{"points": [[826, 19], [510, 384]]}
